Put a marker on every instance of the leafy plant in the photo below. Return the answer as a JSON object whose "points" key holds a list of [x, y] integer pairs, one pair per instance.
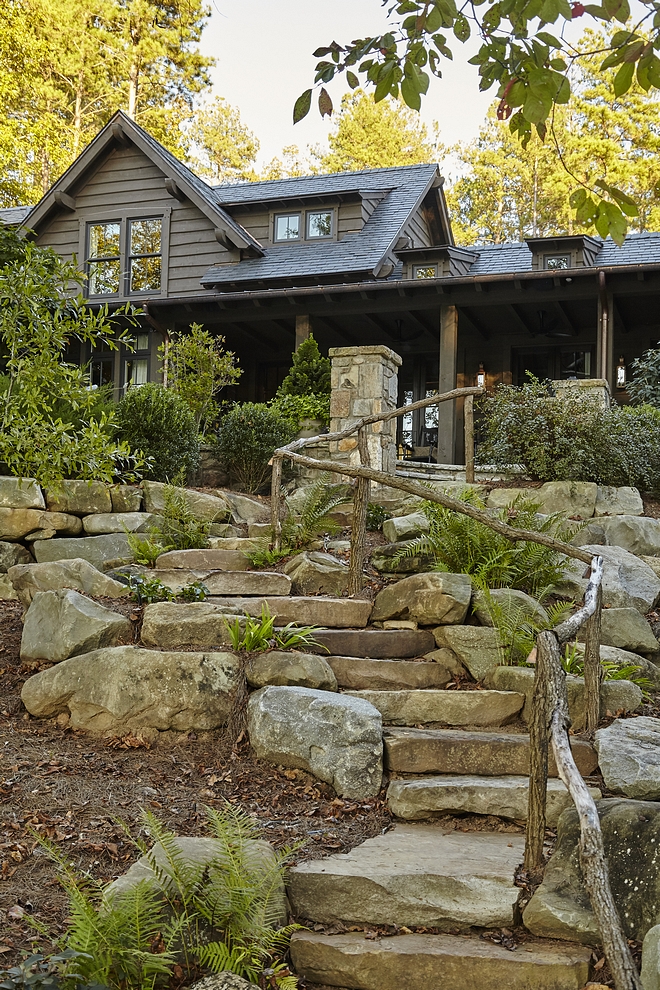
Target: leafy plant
{"points": [[518, 623], [247, 437], [196, 591], [264, 554], [295, 408], [461, 545], [145, 551], [178, 527], [310, 372], [644, 385], [159, 422], [573, 663], [145, 591], [376, 516], [251, 635], [45, 973], [197, 368]]}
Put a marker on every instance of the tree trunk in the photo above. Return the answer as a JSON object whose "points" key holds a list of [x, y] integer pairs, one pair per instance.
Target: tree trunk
{"points": [[468, 420], [359, 528], [538, 767], [133, 81], [275, 485], [593, 671]]}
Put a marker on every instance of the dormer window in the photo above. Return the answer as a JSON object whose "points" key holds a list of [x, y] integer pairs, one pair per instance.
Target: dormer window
{"points": [[287, 227], [426, 271], [319, 223], [556, 262]]}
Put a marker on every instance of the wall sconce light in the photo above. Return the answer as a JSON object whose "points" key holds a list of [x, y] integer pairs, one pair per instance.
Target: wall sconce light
{"points": [[481, 376], [621, 373]]}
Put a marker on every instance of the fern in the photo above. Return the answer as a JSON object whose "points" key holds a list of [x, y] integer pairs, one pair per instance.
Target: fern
{"points": [[462, 545], [178, 527], [518, 623], [251, 635]]}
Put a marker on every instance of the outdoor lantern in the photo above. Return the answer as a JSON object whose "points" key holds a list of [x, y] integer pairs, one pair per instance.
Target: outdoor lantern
{"points": [[481, 376], [621, 373]]}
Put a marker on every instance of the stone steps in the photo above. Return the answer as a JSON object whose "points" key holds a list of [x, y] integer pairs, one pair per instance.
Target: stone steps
{"points": [[375, 644], [445, 962], [388, 675], [334, 613], [474, 708], [427, 797], [414, 875], [492, 754], [228, 583]]}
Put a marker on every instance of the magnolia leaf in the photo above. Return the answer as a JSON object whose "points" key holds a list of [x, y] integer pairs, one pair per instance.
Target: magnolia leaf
{"points": [[410, 93], [548, 39], [302, 106], [325, 103]]}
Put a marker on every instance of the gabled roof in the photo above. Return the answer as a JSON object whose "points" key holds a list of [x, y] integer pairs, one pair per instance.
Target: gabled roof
{"points": [[120, 130], [13, 216], [502, 259], [368, 251]]}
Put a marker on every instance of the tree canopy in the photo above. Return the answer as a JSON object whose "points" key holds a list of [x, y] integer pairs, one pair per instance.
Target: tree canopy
{"points": [[225, 150]]}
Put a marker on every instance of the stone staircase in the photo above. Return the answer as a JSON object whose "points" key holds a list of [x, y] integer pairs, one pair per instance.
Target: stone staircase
{"points": [[446, 752]]}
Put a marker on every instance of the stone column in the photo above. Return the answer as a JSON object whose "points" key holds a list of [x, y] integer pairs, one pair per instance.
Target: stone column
{"points": [[447, 382], [303, 328], [364, 381]]}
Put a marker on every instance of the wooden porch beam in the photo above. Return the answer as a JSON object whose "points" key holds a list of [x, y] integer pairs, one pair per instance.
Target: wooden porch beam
{"points": [[519, 320], [565, 318], [334, 328], [471, 322], [244, 328]]}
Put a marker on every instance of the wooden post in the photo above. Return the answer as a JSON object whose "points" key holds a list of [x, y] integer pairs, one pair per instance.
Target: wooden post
{"points": [[593, 671], [538, 767], [275, 485], [468, 420], [591, 850], [359, 528], [447, 382]]}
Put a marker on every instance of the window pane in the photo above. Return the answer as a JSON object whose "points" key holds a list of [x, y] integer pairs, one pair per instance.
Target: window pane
{"points": [[145, 236], [103, 277], [104, 240], [319, 224], [287, 228], [428, 271], [136, 371], [557, 262], [101, 372], [145, 274]]}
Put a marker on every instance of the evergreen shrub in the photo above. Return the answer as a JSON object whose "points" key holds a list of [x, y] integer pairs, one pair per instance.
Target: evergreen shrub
{"points": [[248, 435], [158, 422]]}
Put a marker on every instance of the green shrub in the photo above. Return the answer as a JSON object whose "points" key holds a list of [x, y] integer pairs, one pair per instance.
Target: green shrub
{"points": [[644, 385], [376, 516], [462, 545], [247, 437], [158, 422], [198, 367], [310, 372], [295, 408], [570, 438]]}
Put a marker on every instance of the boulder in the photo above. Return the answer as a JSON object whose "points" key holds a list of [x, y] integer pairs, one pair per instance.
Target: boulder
{"points": [[224, 531], [577, 499], [637, 534], [335, 737], [387, 675], [612, 501], [624, 658], [386, 559], [203, 560], [126, 498], [615, 695], [629, 757], [653, 562], [405, 527], [200, 624], [7, 592], [20, 493], [247, 510], [468, 708], [232, 543], [205, 508], [316, 573], [627, 581], [260, 529], [290, 669], [429, 599], [124, 689], [78, 574], [224, 981], [627, 629], [650, 973], [119, 522], [477, 647], [335, 613], [560, 907], [509, 598], [95, 549], [12, 554], [448, 660], [80, 498], [17, 524], [62, 624]]}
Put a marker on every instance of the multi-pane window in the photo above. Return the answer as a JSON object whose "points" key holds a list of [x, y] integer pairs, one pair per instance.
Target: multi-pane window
{"points": [[144, 262], [101, 372], [124, 257], [136, 367], [104, 258], [287, 227], [426, 271], [319, 223], [557, 262]]}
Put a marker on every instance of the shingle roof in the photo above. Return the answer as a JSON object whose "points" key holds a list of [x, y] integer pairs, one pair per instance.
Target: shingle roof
{"points": [[11, 215], [502, 259], [362, 251]]}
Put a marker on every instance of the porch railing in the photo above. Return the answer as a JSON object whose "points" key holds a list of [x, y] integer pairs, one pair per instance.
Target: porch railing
{"points": [[550, 718]]}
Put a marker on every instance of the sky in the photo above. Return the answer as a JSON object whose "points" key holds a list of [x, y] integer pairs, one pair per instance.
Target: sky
{"points": [[264, 62]]}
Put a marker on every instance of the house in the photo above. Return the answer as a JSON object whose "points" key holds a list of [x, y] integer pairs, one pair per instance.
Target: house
{"points": [[359, 258]]}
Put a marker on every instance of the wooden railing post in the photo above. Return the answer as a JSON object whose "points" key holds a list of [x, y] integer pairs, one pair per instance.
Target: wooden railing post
{"points": [[593, 671], [468, 423], [538, 767], [275, 486], [359, 527]]}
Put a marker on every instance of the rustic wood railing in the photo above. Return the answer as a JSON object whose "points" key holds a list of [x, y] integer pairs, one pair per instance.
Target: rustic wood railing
{"points": [[550, 718]]}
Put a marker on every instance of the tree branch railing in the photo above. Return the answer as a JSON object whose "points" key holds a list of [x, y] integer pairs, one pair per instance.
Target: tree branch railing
{"points": [[550, 718]]}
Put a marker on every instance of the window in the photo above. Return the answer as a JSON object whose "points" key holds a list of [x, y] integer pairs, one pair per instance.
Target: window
{"points": [[319, 224], [557, 262], [139, 343], [137, 371], [425, 271], [103, 258], [101, 372], [287, 227], [144, 263]]}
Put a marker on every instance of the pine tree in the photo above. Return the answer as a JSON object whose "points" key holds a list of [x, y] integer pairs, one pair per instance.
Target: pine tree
{"points": [[310, 373], [225, 149]]}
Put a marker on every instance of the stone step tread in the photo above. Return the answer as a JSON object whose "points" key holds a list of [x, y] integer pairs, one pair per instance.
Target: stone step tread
{"points": [[427, 797], [306, 610], [448, 962], [414, 875], [492, 754], [375, 644], [388, 675], [474, 708]]}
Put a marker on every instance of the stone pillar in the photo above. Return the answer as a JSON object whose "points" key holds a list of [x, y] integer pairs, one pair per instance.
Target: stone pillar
{"points": [[447, 382], [303, 328], [364, 381]]}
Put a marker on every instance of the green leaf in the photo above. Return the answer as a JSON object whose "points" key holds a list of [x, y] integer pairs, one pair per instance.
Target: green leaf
{"points": [[462, 28], [548, 39], [302, 106], [536, 109], [325, 103], [627, 204], [623, 79], [352, 79], [577, 198], [410, 93], [433, 20], [596, 11]]}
